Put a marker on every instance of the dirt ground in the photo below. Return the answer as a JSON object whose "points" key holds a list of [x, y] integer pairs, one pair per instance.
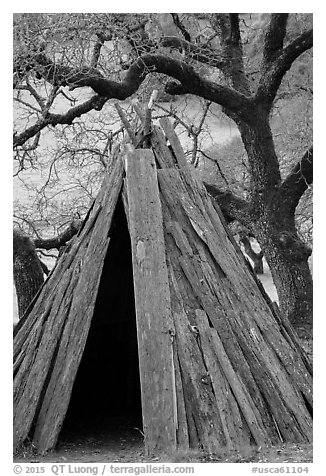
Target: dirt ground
{"points": [[125, 445], [121, 441], [130, 449]]}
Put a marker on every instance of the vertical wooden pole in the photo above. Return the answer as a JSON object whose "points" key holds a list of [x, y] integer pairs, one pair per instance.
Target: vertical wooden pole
{"points": [[152, 302]]}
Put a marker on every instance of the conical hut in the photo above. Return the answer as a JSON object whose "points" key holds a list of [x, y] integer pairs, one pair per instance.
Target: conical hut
{"points": [[154, 306]]}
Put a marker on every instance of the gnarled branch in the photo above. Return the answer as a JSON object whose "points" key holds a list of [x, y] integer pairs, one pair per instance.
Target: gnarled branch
{"points": [[188, 82], [272, 76], [60, 240], [297, 182]]}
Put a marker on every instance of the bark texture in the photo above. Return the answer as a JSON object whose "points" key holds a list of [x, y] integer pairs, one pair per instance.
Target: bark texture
{"points": [[218, 366], [50, 340], [152, 301], [269, 214], [27, 268]]}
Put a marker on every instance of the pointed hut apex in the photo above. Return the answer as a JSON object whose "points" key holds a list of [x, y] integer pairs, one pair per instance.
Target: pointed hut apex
{"points": [[211, 364]]}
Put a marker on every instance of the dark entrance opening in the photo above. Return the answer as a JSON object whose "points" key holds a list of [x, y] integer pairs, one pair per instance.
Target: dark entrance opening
{"points": [[106, 392]]}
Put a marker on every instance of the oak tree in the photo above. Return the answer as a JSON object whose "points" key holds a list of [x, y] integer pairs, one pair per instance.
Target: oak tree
{"points": [[110, 56]]}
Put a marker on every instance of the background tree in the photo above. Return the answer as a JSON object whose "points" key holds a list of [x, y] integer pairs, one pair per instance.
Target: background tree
{"points": [[27, 268], [239, 62]]}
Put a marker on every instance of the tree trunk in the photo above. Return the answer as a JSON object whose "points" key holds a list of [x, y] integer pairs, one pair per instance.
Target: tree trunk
{"points": [[272, 222], [28, 273], [287, 257]]}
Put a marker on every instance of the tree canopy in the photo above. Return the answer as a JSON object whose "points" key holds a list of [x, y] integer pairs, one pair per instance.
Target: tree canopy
{"points": [[70, 68]]}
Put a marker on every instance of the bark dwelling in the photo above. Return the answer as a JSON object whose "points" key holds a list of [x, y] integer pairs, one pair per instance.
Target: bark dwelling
{"points": [[154, 297]]}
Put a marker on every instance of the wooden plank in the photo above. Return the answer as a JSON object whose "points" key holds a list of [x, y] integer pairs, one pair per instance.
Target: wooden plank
{"points": [[49, 288], [126, 123], [139, 110], [198, 391], [81, 307], [181, 416], [197, 291], [47, 382], [124, 196], [220, 318], [174, 141], [286, 404], [31, 378], [152, 301], [216, 356], [162, 153], [268, 370], [236, 431], [275, 333], [226, 290]]}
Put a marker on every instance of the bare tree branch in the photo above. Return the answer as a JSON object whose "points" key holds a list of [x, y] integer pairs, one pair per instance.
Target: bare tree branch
{"points": [[297, 182], [188, 82], [272, 76], [180, 25], [34, 144], [202, 54], [275, 35], [36, 95], [96, 102], [60, 240], [97, 49]]}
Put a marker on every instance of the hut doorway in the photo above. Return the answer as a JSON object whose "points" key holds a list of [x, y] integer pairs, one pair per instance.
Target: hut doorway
{"points": [[106, 391]]}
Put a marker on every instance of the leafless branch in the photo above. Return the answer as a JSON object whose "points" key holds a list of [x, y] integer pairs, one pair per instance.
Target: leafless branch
{"points": [[275, 35], [298, 180], [199, 53], [217, 165], [180, 26], [188, 80], [95, 102], [274, 72], [60, 240], [28, 105], [100, 38]]}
